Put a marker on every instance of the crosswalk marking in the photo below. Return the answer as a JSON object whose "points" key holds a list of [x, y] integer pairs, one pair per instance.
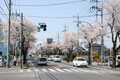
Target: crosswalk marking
{"points": [[82, 70], [51, 70], [36, 70], [29, 70], [67, 70], [60, 70], [44, 70], [21, 70], [75, 70]]}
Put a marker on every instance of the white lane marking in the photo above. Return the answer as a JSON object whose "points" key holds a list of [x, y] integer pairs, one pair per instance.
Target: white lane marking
{"points": [[75, 70], [87, 71], [44, 70], [29, 70], [67, 70], [36, 70], [21, 70], [60, 70], [51, 70]]}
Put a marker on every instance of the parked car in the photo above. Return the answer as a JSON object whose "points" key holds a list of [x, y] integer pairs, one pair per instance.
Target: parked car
{"points": [[42, 61], [118, 60], [50, 58], [80, 61], [1, 61], [57, 58]]}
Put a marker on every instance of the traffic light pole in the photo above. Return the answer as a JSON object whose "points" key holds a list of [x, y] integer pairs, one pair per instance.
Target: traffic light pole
{"points": [[21, 41], [8, 43]]}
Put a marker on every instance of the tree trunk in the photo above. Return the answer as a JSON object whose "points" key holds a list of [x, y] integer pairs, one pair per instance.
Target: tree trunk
{"points": [[24, 57], [114, 58], [89, 54]]}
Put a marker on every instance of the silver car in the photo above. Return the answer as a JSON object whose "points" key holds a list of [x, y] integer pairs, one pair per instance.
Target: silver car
{"points": [[42, 61]]}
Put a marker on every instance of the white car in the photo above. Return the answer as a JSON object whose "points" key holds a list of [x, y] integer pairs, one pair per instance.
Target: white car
{"points": [[80, 61], [50, 58], [57, 58]]}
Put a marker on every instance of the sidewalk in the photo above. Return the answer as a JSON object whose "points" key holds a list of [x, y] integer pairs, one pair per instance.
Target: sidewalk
{"points": [[11, 69], [14, 68], [104, 66]]}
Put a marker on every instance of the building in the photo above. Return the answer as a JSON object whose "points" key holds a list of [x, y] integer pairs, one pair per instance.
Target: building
{"points": [[97, 47], [3, 48]]}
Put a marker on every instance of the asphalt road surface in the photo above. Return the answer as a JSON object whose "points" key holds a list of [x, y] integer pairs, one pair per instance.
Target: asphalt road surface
{"points": [[64, 71], [58, 71]]}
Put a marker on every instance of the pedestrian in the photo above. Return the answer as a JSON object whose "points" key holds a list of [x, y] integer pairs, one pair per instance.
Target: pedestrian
{"points": [[14, 60]]}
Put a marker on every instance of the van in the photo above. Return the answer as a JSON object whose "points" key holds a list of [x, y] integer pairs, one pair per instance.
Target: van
{"points": [[118, 60]]}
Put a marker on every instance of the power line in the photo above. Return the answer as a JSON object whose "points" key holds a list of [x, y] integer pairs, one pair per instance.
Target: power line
{"points": [[52, 4], [58, 17], [6, 4], [2, 12], [62, 17]]}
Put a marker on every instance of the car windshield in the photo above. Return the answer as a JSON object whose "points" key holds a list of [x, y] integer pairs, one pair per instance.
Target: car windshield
{"points": [[57, 56], [81, 59], [42, 59]]}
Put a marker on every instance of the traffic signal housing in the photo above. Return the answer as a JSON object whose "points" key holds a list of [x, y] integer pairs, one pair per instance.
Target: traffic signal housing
{"points": [[42, 26]]}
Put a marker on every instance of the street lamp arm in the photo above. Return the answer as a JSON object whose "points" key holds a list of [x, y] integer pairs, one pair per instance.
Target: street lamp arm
{"points": [[86, 22]]}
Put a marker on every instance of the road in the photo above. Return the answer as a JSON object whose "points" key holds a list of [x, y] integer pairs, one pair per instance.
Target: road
{"points": [[58, 71], [64, 71]]}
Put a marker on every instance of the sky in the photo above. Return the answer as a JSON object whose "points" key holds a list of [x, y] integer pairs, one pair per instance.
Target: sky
{"points": [[38, 14]]}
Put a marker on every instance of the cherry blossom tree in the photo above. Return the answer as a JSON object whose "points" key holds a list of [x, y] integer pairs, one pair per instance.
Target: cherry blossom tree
{"points": [[112, 19], [91, 33], [70, 41], [28, 32]]}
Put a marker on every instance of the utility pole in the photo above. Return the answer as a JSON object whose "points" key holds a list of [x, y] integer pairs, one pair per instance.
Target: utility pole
{"points": [[102, 38], [21, 41], [78, 25], [78, 35], [58, 37], [65, 30], [8, 43]]}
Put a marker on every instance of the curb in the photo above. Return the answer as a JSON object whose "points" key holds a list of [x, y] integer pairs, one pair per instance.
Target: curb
{"points": [[105, 67]]}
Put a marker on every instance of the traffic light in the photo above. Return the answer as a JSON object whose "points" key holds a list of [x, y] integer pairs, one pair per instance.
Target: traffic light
{"points": [[42, 26]]}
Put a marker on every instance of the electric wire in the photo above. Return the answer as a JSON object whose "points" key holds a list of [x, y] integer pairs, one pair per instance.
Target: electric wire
{"points": [[3, 13], [52, 4], [6, 4]]}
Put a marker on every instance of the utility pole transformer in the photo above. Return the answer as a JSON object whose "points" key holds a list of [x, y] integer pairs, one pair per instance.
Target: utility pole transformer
{"points": [[8, 43]]}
